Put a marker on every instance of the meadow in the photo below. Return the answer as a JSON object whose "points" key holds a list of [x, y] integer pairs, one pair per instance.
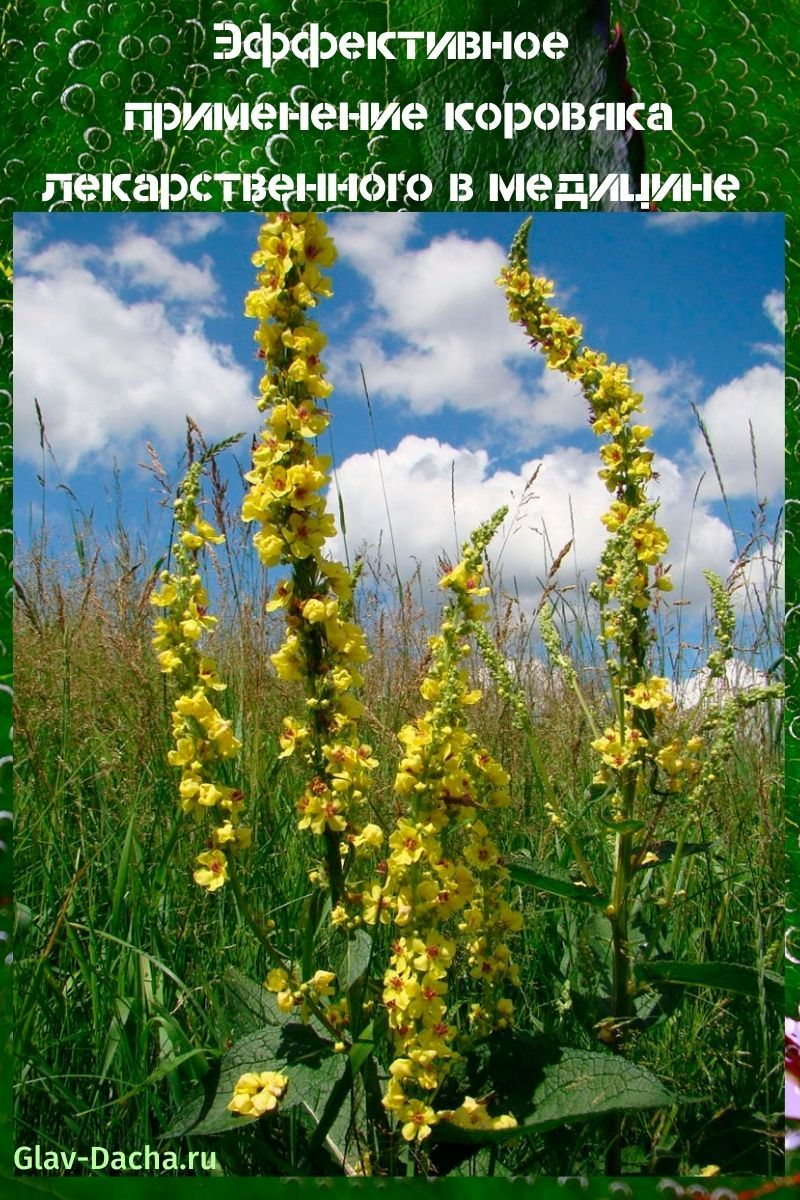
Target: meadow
{"points": [[648, 935]]}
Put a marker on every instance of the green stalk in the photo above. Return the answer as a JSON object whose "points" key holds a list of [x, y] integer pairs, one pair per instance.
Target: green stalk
{"points": [[676, 864], [273, 953], [621, 974]]}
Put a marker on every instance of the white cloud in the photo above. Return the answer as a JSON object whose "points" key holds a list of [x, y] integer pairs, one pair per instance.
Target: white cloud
{"points": [[775, 309], [365, 240], [436, 337], [772, 350], [451, 341], [145, 263], [753, 400], [668, 393], [564, 502], [774, 306], [25, 239], [698, 540], [739, 676], [58, 257], [135, 259], [179, 229], [109, 373], [682, 222]]}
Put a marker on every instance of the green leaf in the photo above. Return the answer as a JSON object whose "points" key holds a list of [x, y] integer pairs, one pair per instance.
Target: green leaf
{"points": [[294, 1049], [581, 1086], [663, 852], [357, 956], [334, 1123], [609, 820], [251, 1004], [546, 879], [219, 447], [586, 1084], [727, 977]]}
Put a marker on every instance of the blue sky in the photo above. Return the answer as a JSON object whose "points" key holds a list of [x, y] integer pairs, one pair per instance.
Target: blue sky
{"points": [[125, 323]]}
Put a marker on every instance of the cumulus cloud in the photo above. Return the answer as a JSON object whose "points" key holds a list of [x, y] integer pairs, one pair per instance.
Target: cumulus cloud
{"points": [[774, 306], [26, 238], [775, 309], [366, 239], [136, 260], [741, 417], [179, 229], [436, 337], [145, 263], [109, 372], [564, 502]]}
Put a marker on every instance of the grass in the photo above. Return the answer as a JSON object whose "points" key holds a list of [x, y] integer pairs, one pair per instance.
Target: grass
{"points": [[121, 1004]]}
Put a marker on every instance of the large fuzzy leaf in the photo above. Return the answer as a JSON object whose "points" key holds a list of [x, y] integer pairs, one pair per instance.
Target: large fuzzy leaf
{"points": [[294, 1049], [579, 1086]]}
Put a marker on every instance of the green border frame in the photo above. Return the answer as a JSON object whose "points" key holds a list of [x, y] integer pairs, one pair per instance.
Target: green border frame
{"points": [[665, 54]]}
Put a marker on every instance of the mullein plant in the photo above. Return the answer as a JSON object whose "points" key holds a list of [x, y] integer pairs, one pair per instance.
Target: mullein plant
{"points": [[445, 882], [442, 885], [637, 756], [322, 649], [630, 575], [203, 740], [440, 889]]}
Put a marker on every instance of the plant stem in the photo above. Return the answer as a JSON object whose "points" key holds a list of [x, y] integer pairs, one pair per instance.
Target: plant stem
{"points": [[621, 976], [273, 953]]}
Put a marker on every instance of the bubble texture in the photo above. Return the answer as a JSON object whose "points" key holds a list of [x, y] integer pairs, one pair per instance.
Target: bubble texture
{"points": [[730, 72], [78, 68]]}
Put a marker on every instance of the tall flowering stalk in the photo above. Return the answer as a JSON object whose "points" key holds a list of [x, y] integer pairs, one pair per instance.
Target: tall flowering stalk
{"points": [[630, 574], [203, 739], [322, 649], [639, 757], [444, 884]]}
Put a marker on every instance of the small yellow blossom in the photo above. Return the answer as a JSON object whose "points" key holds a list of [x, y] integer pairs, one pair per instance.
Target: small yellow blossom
{"points": [[257, 1094], [417, 1120], [213, 870]]}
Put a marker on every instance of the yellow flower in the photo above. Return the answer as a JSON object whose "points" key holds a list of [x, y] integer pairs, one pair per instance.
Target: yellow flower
{"points": [[655, 693], [407, 844], [169, 661], [213, 870], [465, 578], [371, 835], [434, 954], [418, 1120], [375, 906], [616, 753], [207, 532], [289, 661], [227, 834], [317, 610], [471, 1114], [294, 734], [321, 983], [277, 980], [256, 1094]]}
